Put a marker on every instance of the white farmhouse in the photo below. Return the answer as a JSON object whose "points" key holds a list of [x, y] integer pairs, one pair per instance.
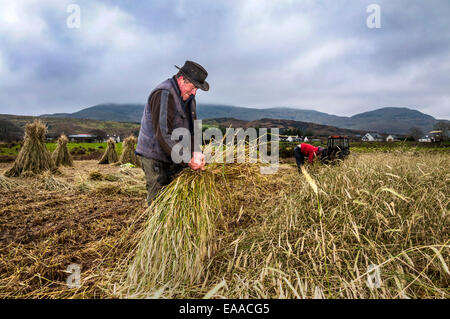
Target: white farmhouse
{"points": [[372, 137], [391, 138]]}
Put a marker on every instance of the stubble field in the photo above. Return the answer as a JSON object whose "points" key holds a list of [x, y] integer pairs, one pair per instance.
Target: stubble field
{"points": [[278, 236]]}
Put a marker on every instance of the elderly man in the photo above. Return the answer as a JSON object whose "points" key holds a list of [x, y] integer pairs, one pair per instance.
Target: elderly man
{"points": [[170, 105]]}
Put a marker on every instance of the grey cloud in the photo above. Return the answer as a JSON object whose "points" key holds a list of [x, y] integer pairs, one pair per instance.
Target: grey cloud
{"points": [[308, 54]]}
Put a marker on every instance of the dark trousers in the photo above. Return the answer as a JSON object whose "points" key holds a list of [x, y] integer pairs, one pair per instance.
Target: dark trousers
{"points": [[299, 157], [157, 175]]}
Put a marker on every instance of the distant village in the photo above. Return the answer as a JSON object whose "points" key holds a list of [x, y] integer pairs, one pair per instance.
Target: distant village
{"points": [[86, 138], [431, 137]]}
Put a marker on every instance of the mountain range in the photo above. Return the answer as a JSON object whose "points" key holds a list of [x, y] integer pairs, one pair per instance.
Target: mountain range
{"points": [[394, 120], [306, 128], [12, 127]]}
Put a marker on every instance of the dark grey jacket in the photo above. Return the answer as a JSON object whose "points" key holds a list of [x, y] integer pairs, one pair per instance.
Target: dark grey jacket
{"points": [[164, 112]]}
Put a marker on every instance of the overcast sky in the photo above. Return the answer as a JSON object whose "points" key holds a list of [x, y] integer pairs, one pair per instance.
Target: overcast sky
{"points": [[305, 54]]}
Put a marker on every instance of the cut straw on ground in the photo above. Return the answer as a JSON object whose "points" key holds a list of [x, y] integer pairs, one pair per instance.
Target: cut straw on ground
{"points": [[272, 242], [231, 232]]}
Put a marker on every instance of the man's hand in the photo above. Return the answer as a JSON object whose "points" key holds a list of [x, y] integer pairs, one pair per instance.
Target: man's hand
{"points": [[197, 161]]}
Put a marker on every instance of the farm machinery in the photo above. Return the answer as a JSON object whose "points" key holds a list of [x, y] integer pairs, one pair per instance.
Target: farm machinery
{"points": [[338, 148]]}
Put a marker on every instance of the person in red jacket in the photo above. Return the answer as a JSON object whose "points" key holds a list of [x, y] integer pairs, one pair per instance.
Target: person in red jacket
{"points": [[306, 150]]}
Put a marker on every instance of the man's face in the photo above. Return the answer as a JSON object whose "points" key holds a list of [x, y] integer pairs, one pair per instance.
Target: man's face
{"points": [[186, 88]]}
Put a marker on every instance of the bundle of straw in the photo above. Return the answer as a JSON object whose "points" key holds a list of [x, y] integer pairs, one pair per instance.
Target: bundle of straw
{"points": [[110, 155], [178, 236], [128, 155], [51, 183], [33, 157], [61, 155]]}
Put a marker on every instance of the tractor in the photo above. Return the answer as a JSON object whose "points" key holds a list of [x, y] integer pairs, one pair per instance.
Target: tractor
{"points": [[338, 148]]}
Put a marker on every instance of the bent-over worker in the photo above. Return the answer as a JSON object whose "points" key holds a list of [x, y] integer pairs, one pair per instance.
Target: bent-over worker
{"points": [[306, 150]]}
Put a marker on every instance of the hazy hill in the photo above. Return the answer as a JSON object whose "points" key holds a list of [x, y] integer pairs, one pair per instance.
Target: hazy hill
{"points": [[9, 131], [305, 127], [106, 112], [57, 125], [385, 120], [133, 113], [206, 111], [392, 120]]}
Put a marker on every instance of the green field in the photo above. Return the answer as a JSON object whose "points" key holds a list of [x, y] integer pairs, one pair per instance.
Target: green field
{"points": [[7, 150], [286, 148]]}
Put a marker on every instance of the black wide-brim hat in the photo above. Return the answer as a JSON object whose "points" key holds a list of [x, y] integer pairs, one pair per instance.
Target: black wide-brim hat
{"points": [[195, 73]]}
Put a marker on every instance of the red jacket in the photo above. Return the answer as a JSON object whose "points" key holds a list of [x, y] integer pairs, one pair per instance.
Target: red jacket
{"points": [[309, 150]]}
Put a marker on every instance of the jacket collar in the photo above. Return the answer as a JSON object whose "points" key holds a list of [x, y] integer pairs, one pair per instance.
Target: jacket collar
{"points": [[174, 82]]}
